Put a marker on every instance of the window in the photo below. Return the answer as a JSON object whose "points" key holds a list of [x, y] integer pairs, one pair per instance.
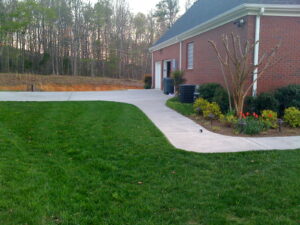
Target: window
{"points": [[190, 56]]}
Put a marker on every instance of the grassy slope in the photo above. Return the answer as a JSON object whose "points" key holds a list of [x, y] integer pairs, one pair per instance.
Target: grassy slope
{"points": [[105, 163]]}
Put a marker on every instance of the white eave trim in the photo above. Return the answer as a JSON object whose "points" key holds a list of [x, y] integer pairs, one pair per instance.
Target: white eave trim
{"points": [[231, 15]]}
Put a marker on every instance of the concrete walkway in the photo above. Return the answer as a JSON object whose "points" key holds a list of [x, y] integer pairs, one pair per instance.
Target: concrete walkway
{"points": [[182, 132]]}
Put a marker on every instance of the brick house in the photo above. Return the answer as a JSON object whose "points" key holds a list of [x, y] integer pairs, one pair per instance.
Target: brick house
{"points": [[185, 45]]}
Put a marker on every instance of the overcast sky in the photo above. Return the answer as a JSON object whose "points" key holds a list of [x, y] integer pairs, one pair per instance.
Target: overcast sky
{"points": [[145, 6]]}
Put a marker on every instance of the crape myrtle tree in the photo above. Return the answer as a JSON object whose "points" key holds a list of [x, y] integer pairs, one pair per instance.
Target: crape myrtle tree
{"points": [[237, 66]]}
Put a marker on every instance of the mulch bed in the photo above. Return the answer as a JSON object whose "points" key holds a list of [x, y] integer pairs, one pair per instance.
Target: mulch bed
{"points": [[218, 127]]}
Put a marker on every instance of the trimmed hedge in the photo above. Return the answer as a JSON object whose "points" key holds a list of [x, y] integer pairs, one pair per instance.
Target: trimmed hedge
{"points": [[277, 101], [214, 92], [292, 116], [288, 96], [207, 91], [264, 101], [249, 104]]}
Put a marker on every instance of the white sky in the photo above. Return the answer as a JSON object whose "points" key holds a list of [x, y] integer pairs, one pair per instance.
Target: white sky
{"points": [[145, 6]]}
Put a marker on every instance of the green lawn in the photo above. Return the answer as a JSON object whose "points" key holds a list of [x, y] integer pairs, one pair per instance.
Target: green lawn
{"points": [[185, 109], [106, 163]]}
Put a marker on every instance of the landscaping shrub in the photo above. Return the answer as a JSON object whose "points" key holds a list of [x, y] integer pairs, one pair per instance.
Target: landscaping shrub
{"points": [[252, 126], [266, 101], [249, 105], [199, 105], [288, 96], [221, 97], [214, 92], [178, 76], [207, 91], [292, 116], [269, 118], [202, 106], [212, 108], [147, 82], [278, 101], [229, 120]]}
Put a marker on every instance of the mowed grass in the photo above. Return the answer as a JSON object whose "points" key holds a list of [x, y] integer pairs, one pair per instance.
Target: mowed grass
{"points": [[185, 109], [106, 163]]}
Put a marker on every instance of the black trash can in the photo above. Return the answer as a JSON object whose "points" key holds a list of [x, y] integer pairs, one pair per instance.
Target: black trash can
{"points": [[168, 86], [186, 93]]}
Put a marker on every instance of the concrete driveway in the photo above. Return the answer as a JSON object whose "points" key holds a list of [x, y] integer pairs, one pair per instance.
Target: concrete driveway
{"points": [[182, 132]]}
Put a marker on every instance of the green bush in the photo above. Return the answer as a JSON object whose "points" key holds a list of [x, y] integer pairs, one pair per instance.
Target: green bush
{"points": [[229, 120], [252, 126], [221, 97], [207, 91], [212, 108], [264, 101], [204, 107], [269, 118], [199, 105], [148, 82], [288, 96], [249, 104], [178, 76], [292, 116], [214, 92]]}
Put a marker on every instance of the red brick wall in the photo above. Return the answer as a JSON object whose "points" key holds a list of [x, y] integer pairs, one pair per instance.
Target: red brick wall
{"points": [[287, 71], [171, 52], [273, 29], [206, 65]]}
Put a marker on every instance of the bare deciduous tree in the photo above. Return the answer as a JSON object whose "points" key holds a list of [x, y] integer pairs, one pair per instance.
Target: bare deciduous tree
{"points": [[75, 37], [237, 66]]}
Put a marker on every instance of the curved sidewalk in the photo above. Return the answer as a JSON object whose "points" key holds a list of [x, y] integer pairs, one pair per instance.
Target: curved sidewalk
{"points": [[182, 132]]}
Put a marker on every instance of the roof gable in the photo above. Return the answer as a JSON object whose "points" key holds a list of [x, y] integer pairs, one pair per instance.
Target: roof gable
{"points": [[204, 10]]}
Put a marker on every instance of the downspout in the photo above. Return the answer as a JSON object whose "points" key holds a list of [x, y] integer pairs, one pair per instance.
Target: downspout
{"points": [[256, 50], [180, 55], [152, 71]]}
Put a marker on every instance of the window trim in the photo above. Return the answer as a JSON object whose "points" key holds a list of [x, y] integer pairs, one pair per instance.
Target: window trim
{"points": [[188, 66]]}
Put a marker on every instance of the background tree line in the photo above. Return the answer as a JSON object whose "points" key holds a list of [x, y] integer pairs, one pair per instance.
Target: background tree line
{"points": [[73, 37]]}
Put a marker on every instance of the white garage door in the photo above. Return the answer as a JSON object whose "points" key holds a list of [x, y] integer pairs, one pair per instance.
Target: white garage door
{"points": [[158, 75]]}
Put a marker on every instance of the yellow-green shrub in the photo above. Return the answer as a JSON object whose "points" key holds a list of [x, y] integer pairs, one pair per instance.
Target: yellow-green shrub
{"points": [[228, 120], [269, 118], [212, 108], [200, 104], [292, 116]]}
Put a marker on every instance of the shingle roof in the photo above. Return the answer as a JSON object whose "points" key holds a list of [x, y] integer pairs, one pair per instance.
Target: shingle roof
{"points": [[204, 10]]}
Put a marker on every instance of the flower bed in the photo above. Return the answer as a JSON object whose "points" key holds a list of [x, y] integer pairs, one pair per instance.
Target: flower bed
{"points": [[210, 117]]}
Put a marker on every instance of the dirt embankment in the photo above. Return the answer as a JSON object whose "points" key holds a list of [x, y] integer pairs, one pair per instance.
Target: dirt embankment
{"points": [[29, 82]]}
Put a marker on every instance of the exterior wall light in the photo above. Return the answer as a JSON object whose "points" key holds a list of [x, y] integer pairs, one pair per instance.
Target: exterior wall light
{"points": [[240, 22]]}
